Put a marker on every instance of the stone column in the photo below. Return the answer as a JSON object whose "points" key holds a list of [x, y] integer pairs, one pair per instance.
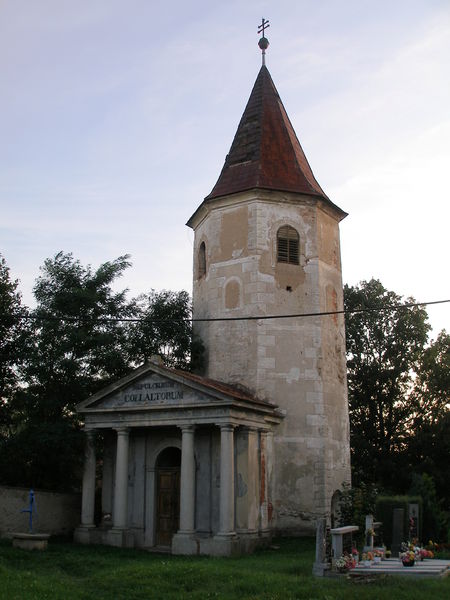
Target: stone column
{"points": [[88, 493], [226, 543], [183, 541], [187, 481], [121, 485], [226, 480], [264, 484], [108, 478], [82, 534], [247, 492]]}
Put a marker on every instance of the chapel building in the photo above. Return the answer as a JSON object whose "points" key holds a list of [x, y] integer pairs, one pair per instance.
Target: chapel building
{"points": [[258, 444]]}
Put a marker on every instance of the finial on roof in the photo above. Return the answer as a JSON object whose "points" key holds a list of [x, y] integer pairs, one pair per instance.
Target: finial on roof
{"points": [[263, 42]]}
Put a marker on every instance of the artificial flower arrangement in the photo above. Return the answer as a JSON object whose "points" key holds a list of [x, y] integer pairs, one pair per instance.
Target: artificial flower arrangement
{"points": [[378, 554], [367, 558], [345, 563], [408, 553], [434, 547]]}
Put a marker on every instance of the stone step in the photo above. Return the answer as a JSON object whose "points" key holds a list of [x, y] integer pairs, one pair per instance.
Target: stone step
{"points": [[393, 566]]}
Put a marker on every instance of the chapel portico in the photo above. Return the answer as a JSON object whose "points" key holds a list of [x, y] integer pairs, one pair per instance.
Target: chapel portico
{"points": [[214, 501]]}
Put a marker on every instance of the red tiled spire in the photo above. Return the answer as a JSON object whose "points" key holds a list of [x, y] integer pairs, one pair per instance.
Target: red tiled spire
{"points": [[265, 152]]}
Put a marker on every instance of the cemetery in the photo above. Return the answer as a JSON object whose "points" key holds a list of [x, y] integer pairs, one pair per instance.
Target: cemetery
{"points": [[232, 478], [407, 558]]}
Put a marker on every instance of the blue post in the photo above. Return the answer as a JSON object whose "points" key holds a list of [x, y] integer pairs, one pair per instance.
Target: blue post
{"points": [[30, 510]]}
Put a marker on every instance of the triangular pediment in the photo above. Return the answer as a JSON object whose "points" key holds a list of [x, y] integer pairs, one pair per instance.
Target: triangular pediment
{"points": [[154, 385], [150, 391], [157, 395], [149, 386]]}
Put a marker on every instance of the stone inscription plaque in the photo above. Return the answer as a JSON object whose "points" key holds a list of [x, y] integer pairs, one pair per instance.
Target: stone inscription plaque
{"points": [[149, 391]]}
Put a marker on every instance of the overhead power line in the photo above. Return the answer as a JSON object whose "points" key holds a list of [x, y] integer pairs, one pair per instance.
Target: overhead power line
{"points": [[366, 309]]}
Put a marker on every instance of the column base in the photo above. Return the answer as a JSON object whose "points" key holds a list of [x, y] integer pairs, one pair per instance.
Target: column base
{"points": [[250, 540], [185, 543], [82, 534], [226, 544], [120, 537]]}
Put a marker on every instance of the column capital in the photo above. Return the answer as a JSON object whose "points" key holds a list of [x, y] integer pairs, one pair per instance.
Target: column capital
{"points": [[122, 430], [90, 433], [188, 428], [227, 426], [249, 428]]}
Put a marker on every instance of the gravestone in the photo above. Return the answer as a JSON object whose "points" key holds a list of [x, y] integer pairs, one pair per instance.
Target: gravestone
{"points": [[413, 515], [398, 534], [369, 532], [320, 564]]}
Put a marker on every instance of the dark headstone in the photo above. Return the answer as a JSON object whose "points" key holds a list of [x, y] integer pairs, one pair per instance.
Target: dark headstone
{"points": [[398, 534]]}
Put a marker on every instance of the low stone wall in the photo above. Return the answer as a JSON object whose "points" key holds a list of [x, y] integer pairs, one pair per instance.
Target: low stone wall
{"points": [[56, 513]]}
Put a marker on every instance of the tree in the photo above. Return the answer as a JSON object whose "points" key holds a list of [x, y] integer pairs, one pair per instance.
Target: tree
{"points": [[76, 346], [79, 343], [428, 443], [432, 384], [164, 328], [11, 341], [384, 348], [434, 521]]}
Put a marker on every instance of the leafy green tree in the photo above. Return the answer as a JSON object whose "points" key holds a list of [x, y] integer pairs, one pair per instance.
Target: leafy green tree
{"points": [[76, 345], [164, 328], [428, 443], [434, 521], [432, 384], [12, 340], [384, 348], [79, 343]]}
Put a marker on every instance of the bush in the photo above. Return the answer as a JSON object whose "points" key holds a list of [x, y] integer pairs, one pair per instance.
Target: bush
{"points": [[384, 507], [355, 504], [434, 521]]}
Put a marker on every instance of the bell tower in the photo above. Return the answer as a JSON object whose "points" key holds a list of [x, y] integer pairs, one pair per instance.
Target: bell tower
{"points": [[267, 245]]}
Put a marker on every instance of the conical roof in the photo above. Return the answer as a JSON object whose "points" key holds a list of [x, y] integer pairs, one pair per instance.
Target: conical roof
{"points": [[265, 152]]}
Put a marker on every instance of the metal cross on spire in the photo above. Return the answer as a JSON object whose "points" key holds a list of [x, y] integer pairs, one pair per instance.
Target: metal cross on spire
{"points": [[263, 42]]}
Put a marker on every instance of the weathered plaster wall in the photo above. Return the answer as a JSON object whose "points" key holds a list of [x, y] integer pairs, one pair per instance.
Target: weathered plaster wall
{"points": [[56, 513], [299, 363]]}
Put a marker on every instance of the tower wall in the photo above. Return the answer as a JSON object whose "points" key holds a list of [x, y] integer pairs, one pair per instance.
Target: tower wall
{"points": [[297, 363]]}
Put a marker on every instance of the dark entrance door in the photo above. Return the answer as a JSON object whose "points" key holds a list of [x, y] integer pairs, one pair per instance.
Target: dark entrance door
{"points": [[168, 495]]}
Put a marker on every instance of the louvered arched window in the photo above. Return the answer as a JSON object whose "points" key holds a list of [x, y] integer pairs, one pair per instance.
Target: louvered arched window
{"points": [[202, 260], [288, 245]]}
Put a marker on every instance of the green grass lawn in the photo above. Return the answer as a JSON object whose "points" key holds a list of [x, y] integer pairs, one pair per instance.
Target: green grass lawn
{"points": [[69, 571]]}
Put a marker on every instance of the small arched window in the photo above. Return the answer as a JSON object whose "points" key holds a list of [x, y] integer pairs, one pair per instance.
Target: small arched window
{"points": [[202, 260], [288, 245]]}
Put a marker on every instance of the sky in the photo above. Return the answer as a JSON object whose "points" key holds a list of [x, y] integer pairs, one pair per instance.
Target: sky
{"points": [[116, 117]]}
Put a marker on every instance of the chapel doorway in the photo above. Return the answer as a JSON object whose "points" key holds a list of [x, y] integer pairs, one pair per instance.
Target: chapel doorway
{"points": [[168, 467]]}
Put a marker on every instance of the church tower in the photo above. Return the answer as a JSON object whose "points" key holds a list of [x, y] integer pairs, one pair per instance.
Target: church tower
{"points": [[267, 245]]}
